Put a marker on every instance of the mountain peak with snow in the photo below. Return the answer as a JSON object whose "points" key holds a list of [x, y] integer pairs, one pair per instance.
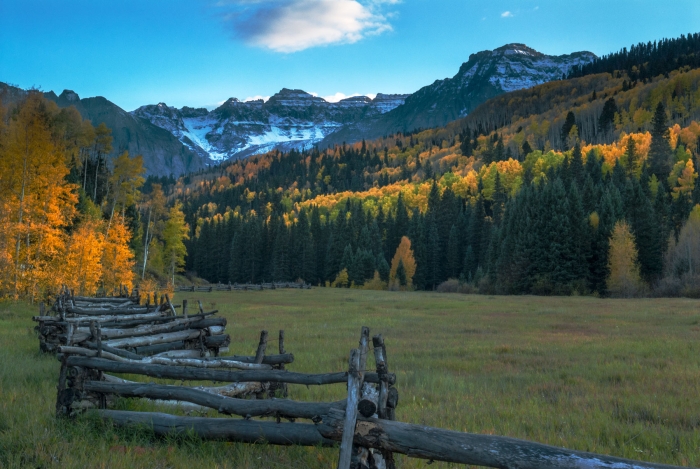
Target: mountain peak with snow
{"points": [[291, 118]]}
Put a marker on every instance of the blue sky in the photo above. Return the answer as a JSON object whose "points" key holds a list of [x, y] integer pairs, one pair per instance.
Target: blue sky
{"points": [[202, 52]]}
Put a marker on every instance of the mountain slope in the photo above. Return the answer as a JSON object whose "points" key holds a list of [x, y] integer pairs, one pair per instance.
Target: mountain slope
{"points": [[289, 119], [162, 153], [487, 74]]}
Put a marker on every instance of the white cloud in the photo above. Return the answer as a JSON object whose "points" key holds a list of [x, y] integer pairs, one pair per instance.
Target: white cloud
{"points": [[294, 25], [506, 14], [256, 97]]}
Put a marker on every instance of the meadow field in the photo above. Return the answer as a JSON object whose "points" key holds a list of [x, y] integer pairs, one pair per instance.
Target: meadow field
{"points": [[619, 377]]}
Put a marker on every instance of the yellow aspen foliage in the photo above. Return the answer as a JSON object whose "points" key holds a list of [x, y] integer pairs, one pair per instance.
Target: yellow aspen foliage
{"points": [[342, 279], [82, 268], [685, 182], [117, 258], [624, 279], [37, 204], [125, 181], [174, 233], [509, 173], [404, 254]]}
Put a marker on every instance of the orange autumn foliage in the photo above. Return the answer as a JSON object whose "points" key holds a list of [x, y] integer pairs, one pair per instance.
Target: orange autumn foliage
{"points": [[405, 255], [117, 258]]}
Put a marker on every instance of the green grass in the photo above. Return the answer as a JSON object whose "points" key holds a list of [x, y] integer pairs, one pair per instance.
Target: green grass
{"points": [[619, 377]]}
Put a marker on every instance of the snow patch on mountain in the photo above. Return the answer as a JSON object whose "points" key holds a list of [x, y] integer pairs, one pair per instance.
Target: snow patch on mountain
{"points": [[289, 119]]}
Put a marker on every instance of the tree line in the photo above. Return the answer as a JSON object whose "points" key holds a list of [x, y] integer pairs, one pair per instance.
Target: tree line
{"points": [[68, 214]]}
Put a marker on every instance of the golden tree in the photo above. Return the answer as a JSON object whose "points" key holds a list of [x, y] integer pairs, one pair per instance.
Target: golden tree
{"points": [[125, 181], [624, 279], [37, 203], [117, 258], [174, 233], [405, 255], [82, 268]]}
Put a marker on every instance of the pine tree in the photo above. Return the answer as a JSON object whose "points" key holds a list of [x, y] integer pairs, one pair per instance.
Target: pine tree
{"points": [[454, 259], [576, 166], [645, 227], [569, 123], [660, 152]]}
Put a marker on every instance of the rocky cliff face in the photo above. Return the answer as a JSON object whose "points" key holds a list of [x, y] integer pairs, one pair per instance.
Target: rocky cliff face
{"points": [[162, 153], [486, 74], [289, 119]]}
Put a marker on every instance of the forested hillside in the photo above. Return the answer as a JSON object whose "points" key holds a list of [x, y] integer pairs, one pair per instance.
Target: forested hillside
{"points": [[69, 215], [582, 185]]}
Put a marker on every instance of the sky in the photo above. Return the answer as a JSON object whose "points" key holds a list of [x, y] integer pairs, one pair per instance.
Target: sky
{"points": [[201, 52]]}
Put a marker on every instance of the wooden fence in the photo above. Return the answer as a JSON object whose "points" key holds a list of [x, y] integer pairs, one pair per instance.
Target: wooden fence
{"points": [[242, 287], [123, 327], [362, 425]]}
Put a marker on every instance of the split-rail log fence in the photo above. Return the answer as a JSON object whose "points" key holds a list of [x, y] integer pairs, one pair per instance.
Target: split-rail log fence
{"points": [[242, 287], [363, 425], [125, 329]]}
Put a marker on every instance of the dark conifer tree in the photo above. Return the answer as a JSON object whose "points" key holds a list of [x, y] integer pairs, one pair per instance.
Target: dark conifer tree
{"points": [[660, 153]]}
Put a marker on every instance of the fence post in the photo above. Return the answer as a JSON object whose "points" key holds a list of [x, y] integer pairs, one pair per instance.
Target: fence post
{"points": [[383, 371], [360, 455], [354, 384]]}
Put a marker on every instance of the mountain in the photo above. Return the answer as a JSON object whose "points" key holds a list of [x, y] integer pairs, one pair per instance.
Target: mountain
{"points": [[289, 119], [485, 75], [185, 140], [162, 153]]}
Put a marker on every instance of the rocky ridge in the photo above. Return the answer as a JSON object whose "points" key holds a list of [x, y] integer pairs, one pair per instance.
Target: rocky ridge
{"points": [[288, 119]]}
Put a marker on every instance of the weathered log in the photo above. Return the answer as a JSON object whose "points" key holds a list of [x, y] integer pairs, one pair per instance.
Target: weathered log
{"points": [[280, 359], [133, 323], [115, 351], [108, 311], [354, 384], [184, 354], [229, 390], [417, 441], [382, 410], [100, 319], [190, 373], [170, 361], [225, 405], [108, 299], [359, 456], [247, 431], [172, 326], [155, 339], [262, 345], [368, 402], [160, 348], [437, 444]]}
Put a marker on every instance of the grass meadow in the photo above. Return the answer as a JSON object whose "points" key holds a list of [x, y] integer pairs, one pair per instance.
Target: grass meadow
{"points": [[619, 377]]}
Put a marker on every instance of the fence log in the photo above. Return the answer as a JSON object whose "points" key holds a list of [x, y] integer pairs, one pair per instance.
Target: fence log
{"points": [[414, 440], [225, 405], [281, 359], [419, 441], [172, 326], [154, 339], [248, 431], [190, 373]]}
